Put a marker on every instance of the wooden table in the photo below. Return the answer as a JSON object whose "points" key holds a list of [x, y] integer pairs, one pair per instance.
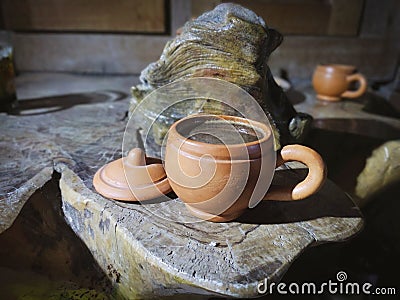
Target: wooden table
{"points": [[144, 254]]}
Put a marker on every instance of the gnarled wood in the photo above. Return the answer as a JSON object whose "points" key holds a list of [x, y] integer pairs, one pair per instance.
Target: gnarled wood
{"points": [[146, 254]]}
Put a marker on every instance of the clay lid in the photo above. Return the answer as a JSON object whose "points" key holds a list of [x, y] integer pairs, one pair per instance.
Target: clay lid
{"points": [[132, 178]]}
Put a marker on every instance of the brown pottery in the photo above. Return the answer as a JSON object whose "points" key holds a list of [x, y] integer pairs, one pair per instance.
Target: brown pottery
{"points": [[216, 181], [331, 82], [132, 178]]}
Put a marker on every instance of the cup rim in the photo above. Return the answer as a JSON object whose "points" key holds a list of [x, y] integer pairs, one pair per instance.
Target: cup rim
{"points": [[263, 128], [330, 66]]}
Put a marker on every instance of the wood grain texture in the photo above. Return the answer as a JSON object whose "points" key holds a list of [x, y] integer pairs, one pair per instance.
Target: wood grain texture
{"points": [[202, 258], [85, 15], [108, 54], [374, 52], [309, 17], [362, 122], [146, 254]]}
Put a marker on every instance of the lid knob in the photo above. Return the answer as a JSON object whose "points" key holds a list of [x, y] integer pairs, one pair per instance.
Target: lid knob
{"points": [[132, 178]]}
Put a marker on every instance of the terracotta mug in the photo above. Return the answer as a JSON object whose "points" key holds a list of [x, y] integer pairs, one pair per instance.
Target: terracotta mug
{"points": [[218, 176], [332, 82]]}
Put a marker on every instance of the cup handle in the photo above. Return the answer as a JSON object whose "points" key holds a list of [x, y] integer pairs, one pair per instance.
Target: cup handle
{"points": [[361, 89], [310, 185]]}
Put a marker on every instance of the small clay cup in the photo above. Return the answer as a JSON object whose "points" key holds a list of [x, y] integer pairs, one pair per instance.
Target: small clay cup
{"points": [[331, 82], [217, 181]]}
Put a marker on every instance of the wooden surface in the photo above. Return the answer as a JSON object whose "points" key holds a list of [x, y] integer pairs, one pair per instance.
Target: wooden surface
{"points": [[202, 258], [85, 15], [142, 252], [309, 17], [373, 51], [347, 115]]}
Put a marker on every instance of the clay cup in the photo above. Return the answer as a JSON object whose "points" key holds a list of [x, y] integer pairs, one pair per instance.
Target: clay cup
{"points": [[219, 177], [332, 82]]}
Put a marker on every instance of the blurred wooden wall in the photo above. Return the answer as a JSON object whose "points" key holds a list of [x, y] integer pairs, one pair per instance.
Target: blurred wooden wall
{"points": [[123, 36], [85, 15], [305, 17]]}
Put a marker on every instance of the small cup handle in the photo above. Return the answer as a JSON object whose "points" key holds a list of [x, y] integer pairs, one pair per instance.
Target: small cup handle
{"points": [[310, 185], [361, 89]]}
